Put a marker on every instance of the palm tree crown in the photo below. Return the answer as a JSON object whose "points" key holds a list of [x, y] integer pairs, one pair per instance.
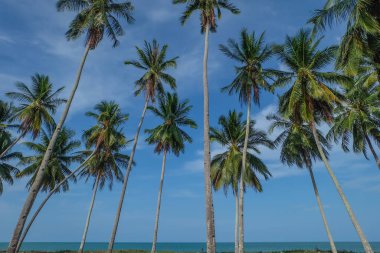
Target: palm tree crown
{"points": [[6, 113], [7, 170], [226, 167], [250, 53], [169, 136], [152, 59], [210, 11], [37, 104], [95, 18], [58, 167]]}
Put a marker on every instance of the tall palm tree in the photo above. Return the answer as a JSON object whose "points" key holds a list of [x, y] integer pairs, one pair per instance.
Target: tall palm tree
{"points": [[362, 18], [95, 18], [227, 167], [169, 136], [7, 170], [37, 104], [210, 11], [153, 61], [310, 96], [58, 168], [107, 140], [299, 148], [250, 53], [358, 117]]}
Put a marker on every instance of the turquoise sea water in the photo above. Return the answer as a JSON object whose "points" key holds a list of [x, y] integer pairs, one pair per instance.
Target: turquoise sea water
{"points": [[197, 247]]}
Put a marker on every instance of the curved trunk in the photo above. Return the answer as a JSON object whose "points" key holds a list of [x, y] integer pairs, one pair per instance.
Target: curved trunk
{"points": [[41, 171], [81, 247], [12, 144], [320, 206], [210, 226], [367, 247], [372, 151], [236, 223], [241, 183], [120, 206], [26, 230], [159, 203]]}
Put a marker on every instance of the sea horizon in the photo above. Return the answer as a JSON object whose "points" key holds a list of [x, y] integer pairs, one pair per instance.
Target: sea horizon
{"points": [[353, 246]]}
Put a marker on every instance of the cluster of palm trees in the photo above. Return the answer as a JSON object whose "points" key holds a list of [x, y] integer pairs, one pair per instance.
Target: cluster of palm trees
{"points": [[312, 93]]}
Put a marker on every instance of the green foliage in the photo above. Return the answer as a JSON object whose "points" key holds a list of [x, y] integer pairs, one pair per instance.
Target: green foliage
{"points": [[96, 18], [7, 170], [152, 60], [58, 166], [226, 167], [210, 11], [169, 135], [37, 104]]}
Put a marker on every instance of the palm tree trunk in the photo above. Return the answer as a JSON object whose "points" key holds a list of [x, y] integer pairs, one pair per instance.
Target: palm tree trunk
{"points": [[117, 217], [373, 151], [210, 226], [26, 230], [241, 186], [367, 247], [332, 244], [41, 171], [89, 214], [159, 203], [13, 144], [236, 223]]}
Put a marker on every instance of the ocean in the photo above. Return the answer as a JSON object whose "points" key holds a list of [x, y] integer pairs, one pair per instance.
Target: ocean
{"points": [[196, 247]]}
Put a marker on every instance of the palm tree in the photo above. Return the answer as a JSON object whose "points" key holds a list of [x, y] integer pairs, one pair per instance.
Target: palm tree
{"points": [[251, 53], [227, 167], [169, 136], [358, 117], [299, 148], [107, 140], [6, 113], [109, 119], [7, 170], [37, 104], [362, 19], [95, 18], [310, 96], [152, 60], [210, 11], [58, 168]]}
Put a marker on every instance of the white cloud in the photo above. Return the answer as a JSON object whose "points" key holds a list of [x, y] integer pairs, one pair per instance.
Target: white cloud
{"points": [[6, 39]]}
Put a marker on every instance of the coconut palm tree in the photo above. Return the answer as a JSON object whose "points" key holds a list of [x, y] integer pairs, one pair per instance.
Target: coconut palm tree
{"points": [[169, 136], [6, 113], [95, 18], [298, 148], [310, 95], [210, 11], [358, 117], [37, 104], [362, 19], [227, 167], [154, 63], [109, 119], [250, 53], [58, 168], [107, 140], [7, 170]]}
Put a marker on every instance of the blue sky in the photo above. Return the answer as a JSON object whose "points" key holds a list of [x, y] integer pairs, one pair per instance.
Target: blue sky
{"points": [[32, 41]]}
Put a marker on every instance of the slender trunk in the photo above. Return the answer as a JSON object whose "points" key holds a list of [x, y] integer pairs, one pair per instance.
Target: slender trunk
{"points": [[117, 217], [13, 144], [210, 226], [236, 223], [241, 186], [41, 171], [89, 214], [332, 244], [373, 151], [26, 230], [367, 247], [159, 203]]}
